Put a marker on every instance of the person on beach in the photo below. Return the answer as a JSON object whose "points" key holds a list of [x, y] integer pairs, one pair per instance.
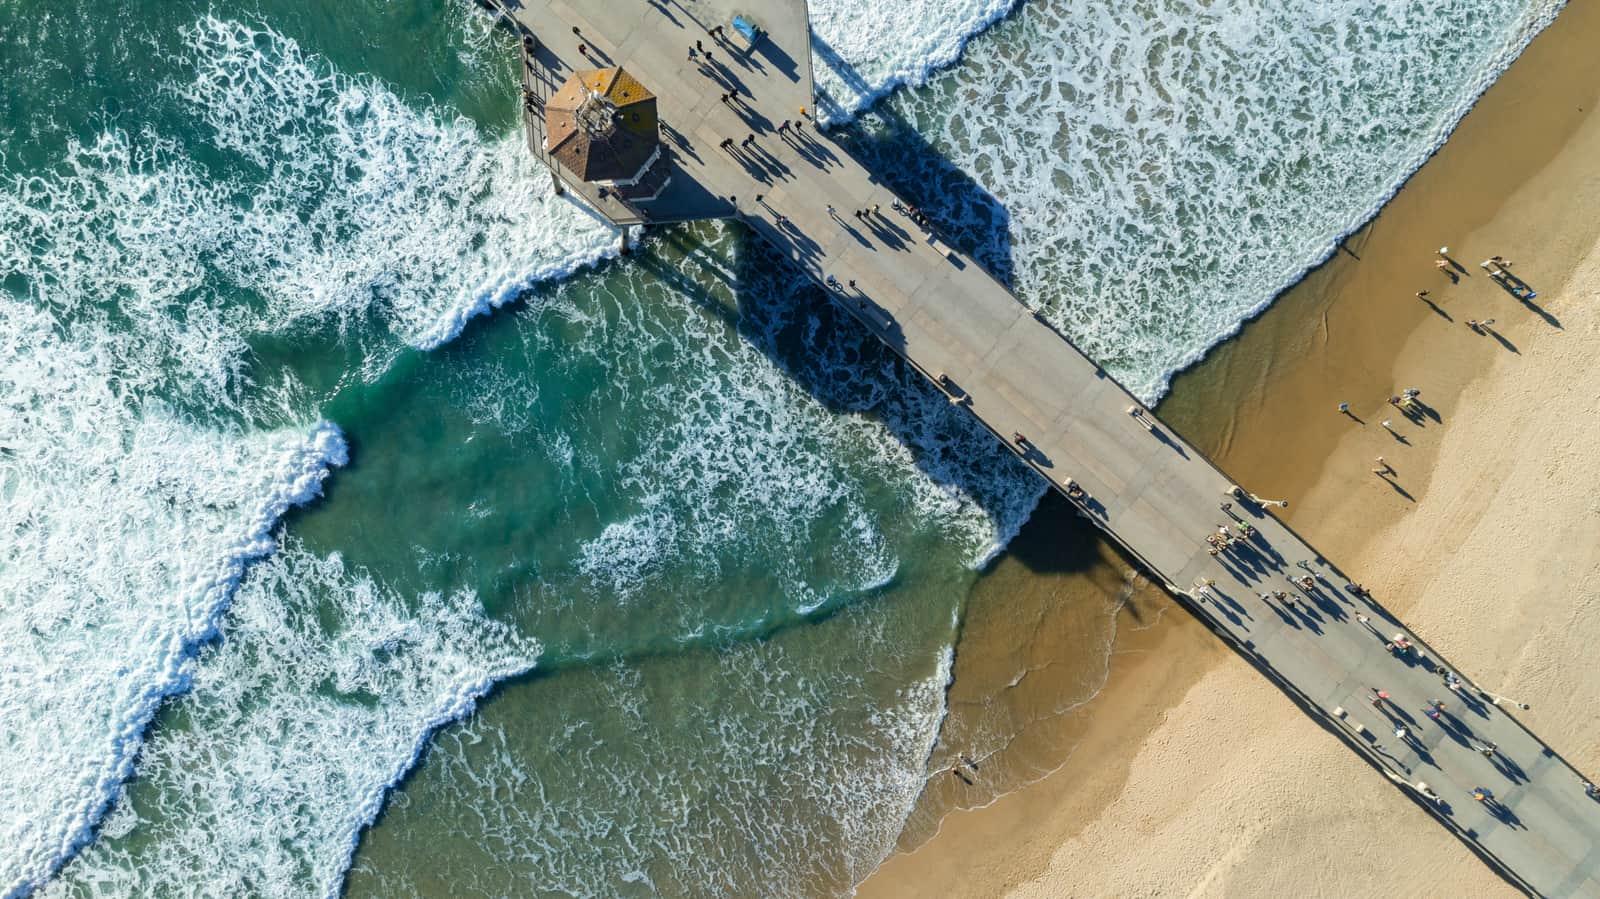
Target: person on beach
{"points": [[693, 54], [1423, 294], [1344, 409]]}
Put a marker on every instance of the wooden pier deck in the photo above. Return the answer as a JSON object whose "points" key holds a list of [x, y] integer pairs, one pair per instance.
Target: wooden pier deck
{"points": [[1143, 485]]}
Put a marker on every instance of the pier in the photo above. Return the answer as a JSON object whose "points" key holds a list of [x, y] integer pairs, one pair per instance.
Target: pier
{"points": [[1290, 612]]}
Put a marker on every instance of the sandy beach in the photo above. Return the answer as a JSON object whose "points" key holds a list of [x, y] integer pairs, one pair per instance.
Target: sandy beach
{"points": [[1186, 773]]}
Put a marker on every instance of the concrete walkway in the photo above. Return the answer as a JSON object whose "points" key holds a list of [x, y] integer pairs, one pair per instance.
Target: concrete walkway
{"points": [[1324, 645]]}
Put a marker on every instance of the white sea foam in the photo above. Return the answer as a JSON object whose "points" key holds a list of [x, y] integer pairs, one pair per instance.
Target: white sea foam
{"points": [[124, 328], [318, 699], [861, 51], [127, 521], [365, 201], [127, 528]]}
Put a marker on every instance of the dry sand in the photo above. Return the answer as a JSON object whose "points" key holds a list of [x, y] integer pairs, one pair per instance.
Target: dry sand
{"points": [[1190, 775]]}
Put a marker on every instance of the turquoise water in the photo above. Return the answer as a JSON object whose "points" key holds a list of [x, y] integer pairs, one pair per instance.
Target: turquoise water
{"points": [[373, 526]]}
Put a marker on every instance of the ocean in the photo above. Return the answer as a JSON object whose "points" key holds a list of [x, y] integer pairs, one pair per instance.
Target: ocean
{"points": [[372, 525]]}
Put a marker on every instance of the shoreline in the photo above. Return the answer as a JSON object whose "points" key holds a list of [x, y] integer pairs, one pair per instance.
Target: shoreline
{"points": [[1351, 323]]}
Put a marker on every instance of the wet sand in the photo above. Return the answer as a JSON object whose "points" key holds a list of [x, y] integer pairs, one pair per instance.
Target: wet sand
{"points": [[1185, 772]]}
